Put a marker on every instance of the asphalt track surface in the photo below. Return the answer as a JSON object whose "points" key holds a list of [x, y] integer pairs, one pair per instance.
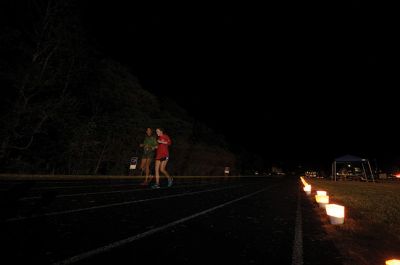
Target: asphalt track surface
{"points": [[248, 220]]}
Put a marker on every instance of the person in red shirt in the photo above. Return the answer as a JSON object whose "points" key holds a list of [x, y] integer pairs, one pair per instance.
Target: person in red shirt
{"points": [[162, 156]]}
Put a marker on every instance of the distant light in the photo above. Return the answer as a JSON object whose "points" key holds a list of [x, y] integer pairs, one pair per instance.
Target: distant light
{"points": [[397, 175], [321, 192], [393, 262]]}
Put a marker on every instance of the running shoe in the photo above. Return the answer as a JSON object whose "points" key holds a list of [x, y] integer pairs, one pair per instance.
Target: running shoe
{"points": [[170, 181], [155, 186]]}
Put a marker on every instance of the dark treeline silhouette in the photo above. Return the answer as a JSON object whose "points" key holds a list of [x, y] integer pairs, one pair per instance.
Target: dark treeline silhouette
{"points": [[66, 108]]}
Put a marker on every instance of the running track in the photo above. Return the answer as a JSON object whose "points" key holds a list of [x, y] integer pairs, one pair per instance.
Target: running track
{"points": [[251, 220]]}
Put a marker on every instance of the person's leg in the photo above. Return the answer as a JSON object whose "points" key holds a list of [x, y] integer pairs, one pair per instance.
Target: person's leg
{"points": [[162, 168], [165, 172], [143, 168], [151, 169], [157, 168], [142, 165], [148, 161]]}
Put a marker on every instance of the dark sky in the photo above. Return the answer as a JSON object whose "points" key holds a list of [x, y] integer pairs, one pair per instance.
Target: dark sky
{"points": [[298, 81]]}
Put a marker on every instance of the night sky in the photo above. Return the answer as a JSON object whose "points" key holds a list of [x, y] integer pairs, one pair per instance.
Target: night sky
{"points": [[304, 81]]}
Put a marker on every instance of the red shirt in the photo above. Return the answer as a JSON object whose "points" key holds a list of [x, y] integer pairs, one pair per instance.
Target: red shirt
{"points": [[162, 149]]}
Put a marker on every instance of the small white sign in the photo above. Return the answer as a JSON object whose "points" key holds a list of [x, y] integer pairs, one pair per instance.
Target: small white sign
{"points": [[226, 170], [133, 164]]}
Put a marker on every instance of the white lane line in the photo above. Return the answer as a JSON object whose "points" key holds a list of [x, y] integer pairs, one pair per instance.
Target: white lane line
{"points": [[107, 185], [297, 255], [84, 186], [75, 186], [86, 181], [110, 192], [117, 204], [128, 240]]}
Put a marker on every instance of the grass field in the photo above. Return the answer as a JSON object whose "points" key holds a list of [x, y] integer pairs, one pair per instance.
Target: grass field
{"points": [[371, 232]]}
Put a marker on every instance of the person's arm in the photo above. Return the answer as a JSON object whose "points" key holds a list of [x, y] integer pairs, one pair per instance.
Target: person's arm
{"points": [[167, 140], [154, 144]]}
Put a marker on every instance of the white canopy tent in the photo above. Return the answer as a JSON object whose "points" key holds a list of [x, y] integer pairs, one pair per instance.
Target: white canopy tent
{"points": [[350, 160]]}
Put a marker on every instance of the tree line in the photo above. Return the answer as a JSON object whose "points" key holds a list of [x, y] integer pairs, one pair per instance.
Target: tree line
{"points": [[65, 108]]}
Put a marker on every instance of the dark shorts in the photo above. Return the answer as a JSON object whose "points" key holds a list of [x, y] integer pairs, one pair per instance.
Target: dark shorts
{"points": [[148, 155], [163, 158]]}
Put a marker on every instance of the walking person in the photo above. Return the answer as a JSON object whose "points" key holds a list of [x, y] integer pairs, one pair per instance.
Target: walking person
{"points": [[162, 156], [149, 145]]}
